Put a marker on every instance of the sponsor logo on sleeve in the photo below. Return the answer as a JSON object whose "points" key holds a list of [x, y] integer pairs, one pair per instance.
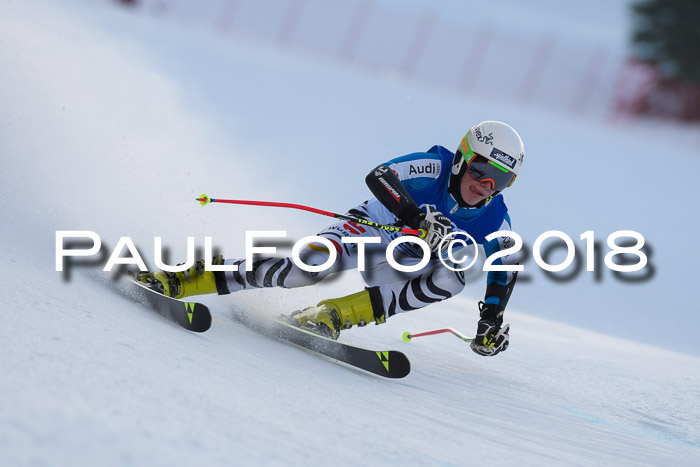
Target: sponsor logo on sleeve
{"points": [[424, 168], [381, 170], [390, 189]]}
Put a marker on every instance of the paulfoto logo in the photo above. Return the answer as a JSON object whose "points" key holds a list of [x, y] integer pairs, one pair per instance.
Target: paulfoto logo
{"points": [[455, 242], [457, 250]]}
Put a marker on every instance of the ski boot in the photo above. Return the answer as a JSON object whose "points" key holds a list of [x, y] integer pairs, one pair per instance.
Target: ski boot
{"points": [[192, 281], [330, 316]]}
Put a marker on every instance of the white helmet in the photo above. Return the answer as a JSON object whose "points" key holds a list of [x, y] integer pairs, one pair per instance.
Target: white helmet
{"points": [[490, 151]]}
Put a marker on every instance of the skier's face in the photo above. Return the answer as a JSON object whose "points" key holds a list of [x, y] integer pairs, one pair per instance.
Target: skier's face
{"points": [[473, 191]]}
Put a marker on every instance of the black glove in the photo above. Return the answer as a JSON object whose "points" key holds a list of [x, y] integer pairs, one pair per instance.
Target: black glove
{"points": [[491, 336], [438, 226]]}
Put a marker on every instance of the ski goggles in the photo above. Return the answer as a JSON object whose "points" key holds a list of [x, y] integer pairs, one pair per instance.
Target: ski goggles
{"points": [[482, 169]]}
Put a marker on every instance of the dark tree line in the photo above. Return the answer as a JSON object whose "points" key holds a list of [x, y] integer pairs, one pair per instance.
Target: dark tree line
{"points": [[667, 34]]}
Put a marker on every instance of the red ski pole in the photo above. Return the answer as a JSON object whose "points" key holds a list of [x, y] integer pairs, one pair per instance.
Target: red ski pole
{"points": [[407, 336], [204, 199]]}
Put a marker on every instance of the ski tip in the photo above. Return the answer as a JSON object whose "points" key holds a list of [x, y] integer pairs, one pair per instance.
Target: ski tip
{"points": [[204, 199], [406, 336]]}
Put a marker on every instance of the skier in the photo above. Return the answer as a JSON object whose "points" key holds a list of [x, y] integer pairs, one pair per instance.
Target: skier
{"points": [[439, 191]]}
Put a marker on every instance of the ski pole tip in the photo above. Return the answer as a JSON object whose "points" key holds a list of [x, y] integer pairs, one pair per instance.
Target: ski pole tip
{"points": [[204, 199], [406, 336]]}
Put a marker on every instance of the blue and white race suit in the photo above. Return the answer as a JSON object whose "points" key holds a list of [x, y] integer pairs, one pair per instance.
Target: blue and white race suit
{"points": [[425, 175]]}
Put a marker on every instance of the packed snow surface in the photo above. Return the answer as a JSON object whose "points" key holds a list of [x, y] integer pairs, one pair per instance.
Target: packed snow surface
{"points": [[114, 123]]}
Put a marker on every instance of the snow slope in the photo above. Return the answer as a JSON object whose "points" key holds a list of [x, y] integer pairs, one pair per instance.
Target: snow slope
{"points": [[106, 127], [316, 122]]}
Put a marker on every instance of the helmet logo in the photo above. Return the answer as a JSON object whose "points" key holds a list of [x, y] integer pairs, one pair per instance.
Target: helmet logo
{"points": [[503, 158], [486, 139]]}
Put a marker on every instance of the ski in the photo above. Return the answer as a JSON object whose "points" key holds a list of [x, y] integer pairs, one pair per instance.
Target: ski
{"points": [[386, 363], [196, 317], [192, 316]]}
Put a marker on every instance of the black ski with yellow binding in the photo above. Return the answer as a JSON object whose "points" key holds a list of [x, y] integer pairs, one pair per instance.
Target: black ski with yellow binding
{"points": [[386, 363], [192, 316], [196, 317]]}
